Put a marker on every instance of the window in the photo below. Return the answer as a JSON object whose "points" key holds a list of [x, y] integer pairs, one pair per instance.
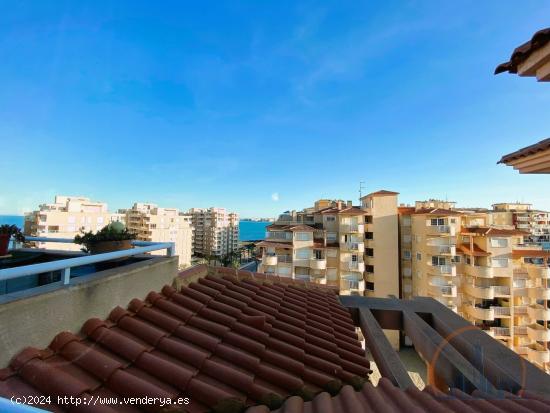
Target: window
{"points": [[369, 286], [499, 242], [407, 238], [331, 253], [407, 288], [407, 254], [418, 256], [369, 252], [303, 236], [318, 254], [499, 262], [368, 219], [418, 238], [407, 221], [407, 271], [369, 268], [303, 253], [330, 218], [452, 220], [369, 235], [455, 259], [354, 258], [437, 221], [331, 236], [436, 261]]}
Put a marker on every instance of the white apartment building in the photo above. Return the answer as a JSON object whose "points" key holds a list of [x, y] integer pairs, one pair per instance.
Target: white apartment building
{"points": [[216, 231], [67, 217], [152, 223]]}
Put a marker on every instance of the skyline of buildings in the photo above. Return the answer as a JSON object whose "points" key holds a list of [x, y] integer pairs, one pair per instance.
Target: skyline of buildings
{"points": [[489, 266]]}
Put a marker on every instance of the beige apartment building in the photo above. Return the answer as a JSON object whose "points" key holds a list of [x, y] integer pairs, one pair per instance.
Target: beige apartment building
{"points": [[216, 231], [151, 223], [67, 217], [524, 218], [336, 243], [482, 271]]}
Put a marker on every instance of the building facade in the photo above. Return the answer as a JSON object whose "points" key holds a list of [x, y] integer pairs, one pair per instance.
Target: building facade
{"points": [[67, 217], [216, 231], [524, 218], [338, 244], [151, 223]]}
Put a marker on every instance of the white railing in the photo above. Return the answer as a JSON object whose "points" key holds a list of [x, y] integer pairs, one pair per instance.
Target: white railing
{"points": [[65, 265]]}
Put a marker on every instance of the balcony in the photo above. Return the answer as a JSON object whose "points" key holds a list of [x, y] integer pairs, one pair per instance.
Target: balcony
{"points": [[441, 249], [500, 332], [537, 353], [352, 228], [539, 293], [536, 332], [478, 271], [487, 314], [352, 285], [442, 290], [442, 230], [535, 271], [487, 293], [318, 263], [448, 270], [520, 310], [353, 246], [520, 330], [501, 291], [352, 266], [501, 312], [538, 312], [269, 259]]}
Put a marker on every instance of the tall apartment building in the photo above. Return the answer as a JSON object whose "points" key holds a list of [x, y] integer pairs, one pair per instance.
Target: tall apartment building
{"points": [[336, 243], [152, 223], [484, 272], [216, 231], [522, 217], [67, 217]]}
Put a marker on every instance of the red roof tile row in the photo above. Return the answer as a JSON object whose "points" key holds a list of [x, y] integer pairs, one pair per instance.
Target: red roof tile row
{"points": [[388, 398], [522, 53], [220, 342]]}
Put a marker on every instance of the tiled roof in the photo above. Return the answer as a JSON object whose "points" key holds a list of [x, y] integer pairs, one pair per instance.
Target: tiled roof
{"points": [[521, 53], [390, 399], [382, 192], [278, 244], [406, 210], [530, 253], [436, 211], [528, 150], [298, 227], [477, 251], [344, 211], [220, 341], [490, 231]]}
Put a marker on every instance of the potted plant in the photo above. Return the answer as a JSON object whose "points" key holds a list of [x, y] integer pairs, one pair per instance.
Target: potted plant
{"points": [[6, 232], [113, 237]]}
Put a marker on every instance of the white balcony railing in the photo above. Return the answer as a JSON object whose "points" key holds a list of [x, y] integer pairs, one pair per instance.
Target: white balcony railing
{"points": [[65, 265]]}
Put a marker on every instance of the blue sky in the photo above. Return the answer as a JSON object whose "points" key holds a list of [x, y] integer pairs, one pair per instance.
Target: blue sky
{"points": [[262, 107]]}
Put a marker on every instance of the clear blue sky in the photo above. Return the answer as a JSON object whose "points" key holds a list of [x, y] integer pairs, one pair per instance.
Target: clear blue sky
{"points": [[229, 103]]}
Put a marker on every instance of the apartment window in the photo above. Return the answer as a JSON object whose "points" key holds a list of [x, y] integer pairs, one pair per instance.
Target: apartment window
{"points": [[418, 238], [369, 235], [407, 288], [499, 242], [436, 261], [407, 238], [437, 221], [330, 218], [499, 262], [303, 253], [407, 221], [368, 219], [452, 220], [456, 259], [284, 270], [369, 269], [407, 254], [369, 252], [465, 240], [468, 261], [318, 254], [354, 258], [418, 256], [369, 286], [407, 272], [331, 253], [331, 236]]}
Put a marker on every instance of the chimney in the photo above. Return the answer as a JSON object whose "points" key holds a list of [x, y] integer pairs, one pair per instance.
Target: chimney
{"points": [[350, 204], [339, 204]]}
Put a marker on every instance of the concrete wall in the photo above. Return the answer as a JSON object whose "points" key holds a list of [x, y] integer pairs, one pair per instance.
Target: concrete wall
{"points": [[34, 317]]}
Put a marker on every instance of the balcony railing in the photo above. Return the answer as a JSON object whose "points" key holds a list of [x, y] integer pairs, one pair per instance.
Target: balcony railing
{"points": [[500, 331], [65, 265]]}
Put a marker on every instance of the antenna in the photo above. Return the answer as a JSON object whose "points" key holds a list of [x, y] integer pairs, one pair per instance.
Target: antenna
{"points": [[361, 188]]}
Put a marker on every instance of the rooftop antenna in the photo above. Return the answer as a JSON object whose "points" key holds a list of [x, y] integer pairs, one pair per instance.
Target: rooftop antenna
{"points": [[361, 188]]}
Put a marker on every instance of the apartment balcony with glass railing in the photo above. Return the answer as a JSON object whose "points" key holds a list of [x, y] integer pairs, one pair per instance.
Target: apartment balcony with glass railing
{"points": [[352, 228], [537, 353], [318, 263], [352, 285], [442, 290], [434, 248], [500, 332], [446, 270], [352, 246], [479, 313], [449, 230], [352, 266], [269, 259]]}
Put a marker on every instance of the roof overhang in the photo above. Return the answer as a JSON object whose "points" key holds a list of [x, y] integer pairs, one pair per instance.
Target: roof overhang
{"points": [[533, 159]]}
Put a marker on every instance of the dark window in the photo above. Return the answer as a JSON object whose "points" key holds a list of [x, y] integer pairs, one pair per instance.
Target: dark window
{"points": [[370, 286], [369, 252], [368, 219], [369, 268], [369, 235]]}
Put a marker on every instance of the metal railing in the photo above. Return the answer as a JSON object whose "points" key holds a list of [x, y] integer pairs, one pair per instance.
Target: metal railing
{"points": [[65, 265]]}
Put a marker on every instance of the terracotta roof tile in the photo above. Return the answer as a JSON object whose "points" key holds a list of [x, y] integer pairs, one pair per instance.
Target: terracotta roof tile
{"points": [[436, 211], [477, 251], [490, 231], [543, 145], [521, 53], [218, 339], [382, 192]]}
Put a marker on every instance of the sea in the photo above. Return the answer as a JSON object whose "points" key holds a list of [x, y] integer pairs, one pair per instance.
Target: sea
{"points": [[248, 230]]}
